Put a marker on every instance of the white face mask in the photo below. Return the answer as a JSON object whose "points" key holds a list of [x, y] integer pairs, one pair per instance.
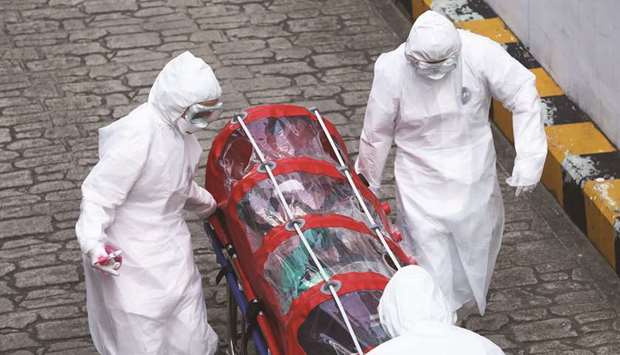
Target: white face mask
{"points": [[198, 117], [186, 127]]}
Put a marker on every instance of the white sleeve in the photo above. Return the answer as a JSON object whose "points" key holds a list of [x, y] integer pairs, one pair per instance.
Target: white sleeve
{"points": [[515, 86], [378, 131], [106, 187], [200, 201]]}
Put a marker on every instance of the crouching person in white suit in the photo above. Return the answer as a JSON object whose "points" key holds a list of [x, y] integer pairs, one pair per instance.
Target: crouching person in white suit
{"points": [[417, 316]]}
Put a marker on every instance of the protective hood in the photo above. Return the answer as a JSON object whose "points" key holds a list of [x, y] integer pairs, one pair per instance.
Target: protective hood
{"points": [[432, 38], [184, 81], [410, 297]]}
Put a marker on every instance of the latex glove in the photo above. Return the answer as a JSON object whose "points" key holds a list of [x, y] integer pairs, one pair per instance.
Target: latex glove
{"points": [[524, 191], [106, 258]]}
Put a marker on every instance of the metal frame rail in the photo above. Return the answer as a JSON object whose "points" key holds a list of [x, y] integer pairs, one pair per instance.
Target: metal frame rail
{"points": [[345, 170], [236, 295], [296, 224]]}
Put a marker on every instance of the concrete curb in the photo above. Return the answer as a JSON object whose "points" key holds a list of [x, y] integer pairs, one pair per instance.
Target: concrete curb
{"points": [[582, 170]]}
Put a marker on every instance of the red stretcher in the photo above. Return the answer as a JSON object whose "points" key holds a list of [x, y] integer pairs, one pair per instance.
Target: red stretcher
{"points": [[306, 248]]}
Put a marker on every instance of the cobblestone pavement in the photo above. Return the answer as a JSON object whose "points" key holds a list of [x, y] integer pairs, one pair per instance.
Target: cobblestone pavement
{"points": [[68, 67]]}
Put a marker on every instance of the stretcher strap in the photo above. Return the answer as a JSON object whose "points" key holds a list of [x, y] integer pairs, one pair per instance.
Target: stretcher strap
{"points": [[345, 169], [296, 225]]}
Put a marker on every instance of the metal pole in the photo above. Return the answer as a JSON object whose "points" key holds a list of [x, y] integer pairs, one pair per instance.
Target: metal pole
{"points": [[296, 225], [345, 169]]}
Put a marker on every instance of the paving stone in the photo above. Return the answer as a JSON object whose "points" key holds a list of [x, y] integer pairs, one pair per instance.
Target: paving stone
{"points": [[37, 261], [239, 46], [207, 36], [558, 287], [141, 79], [611, 349], [595, 327], [600, 338], [97, 87], [529, 315], [258, 32], [59, 312], [487, 323], [574, 309], [46, 276], [595, 316], [339, 59], [28, 143], [544, 330], [104, 6], [554, 276], [41, 26], [74, 49], [12, 341], [292, 53], [550, 347], [133, 40], [62, 329], [53, 14], [75, 102], [356, 98], [6, 268], [580, 297], [25, 226], [17, 320], [290, 68], [325, 23], [6, 305], [514, 299], [58, 299]]}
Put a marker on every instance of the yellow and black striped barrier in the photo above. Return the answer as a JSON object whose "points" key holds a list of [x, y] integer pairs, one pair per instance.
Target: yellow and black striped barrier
{"points": [[582, 170]]}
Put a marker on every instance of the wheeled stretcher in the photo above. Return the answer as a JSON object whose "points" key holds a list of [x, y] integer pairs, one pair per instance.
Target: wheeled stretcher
{"points": [[305, 247]]}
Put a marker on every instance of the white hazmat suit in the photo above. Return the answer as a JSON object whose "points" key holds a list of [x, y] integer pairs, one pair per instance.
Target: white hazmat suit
{"points": [[448, 196], [416, 315], [133, 198]]}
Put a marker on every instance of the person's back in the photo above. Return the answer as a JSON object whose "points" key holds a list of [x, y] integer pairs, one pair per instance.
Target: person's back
{"points": [[415, 313]]}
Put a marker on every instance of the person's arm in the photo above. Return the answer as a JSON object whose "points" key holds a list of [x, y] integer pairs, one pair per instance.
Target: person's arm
{"points": [[378, 131], [515, 86], [106, 187], [200, 201]]}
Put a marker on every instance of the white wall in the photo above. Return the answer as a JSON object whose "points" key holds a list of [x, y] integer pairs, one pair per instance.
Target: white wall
{"points": [[578, 42]]}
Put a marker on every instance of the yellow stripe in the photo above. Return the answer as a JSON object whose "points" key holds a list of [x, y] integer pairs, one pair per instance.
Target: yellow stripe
{"points": [[575, 138], [545, 84], [420, 6], [602, 204], [493, 28]]}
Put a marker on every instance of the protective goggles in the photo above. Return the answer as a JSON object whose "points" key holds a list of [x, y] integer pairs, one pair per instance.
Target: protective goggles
{"points": [[434, 70], [200, 115]]}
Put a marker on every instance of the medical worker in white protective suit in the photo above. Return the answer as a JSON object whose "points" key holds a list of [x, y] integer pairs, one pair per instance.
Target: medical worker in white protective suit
{"points": [[416, 315], [431, 96], [133, 200]]}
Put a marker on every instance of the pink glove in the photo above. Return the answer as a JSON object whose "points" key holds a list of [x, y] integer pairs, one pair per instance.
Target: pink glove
{"points": [[106, 258]]}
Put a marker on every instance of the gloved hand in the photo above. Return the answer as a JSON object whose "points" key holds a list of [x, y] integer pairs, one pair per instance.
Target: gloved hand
{"points": [[106, 258], [524, 191]]}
